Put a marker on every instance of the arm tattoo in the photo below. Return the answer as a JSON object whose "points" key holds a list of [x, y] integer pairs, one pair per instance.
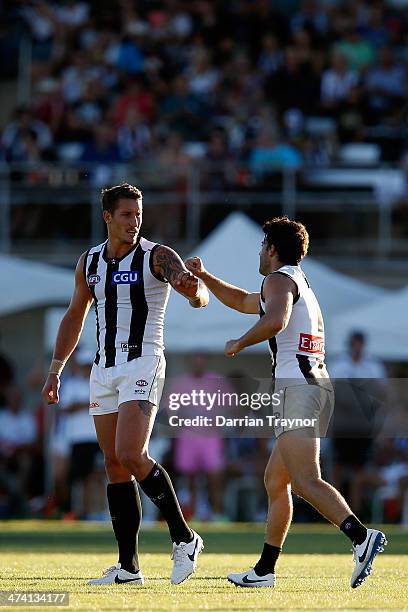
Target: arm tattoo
{"points": [[168, 262], [146, 407]]}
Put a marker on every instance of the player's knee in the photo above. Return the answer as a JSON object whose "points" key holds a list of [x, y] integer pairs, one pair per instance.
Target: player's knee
{"points": [[275, 486], [113, 467], [133, 460], [303, 484]]}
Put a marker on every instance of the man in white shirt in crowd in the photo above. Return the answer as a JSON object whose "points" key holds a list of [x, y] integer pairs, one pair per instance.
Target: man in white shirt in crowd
{"points": [[355, 414], [357, 363], [86, 462]]}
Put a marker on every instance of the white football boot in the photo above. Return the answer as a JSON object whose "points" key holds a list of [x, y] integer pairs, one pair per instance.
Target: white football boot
{"points": [[185, 557], [251, 579], [364, 555], [116, 575]]}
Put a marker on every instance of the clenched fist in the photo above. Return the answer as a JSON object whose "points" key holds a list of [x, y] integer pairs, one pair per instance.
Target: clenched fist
{"points": [[187, 284], [232, 347], [50, 390], [195, 265]]}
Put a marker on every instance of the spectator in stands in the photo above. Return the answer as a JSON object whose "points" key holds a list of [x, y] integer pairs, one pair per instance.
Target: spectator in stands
{"points": [[374, 30], [40, 18], [129, 57], [217, 155], [103, 148], [198, 453], [90, 108], [135, 96], [244, 498], [359, 381], [48, 104], [86, 463], [337, 82], [134, 137], [310, 16], [244, 473], [359, 52], [271, 56], [72, 13], [203, 76], [26, 136], [269, 155], [386, 85], [294, 85], [76, 75], [357, 363], [174, 160], [302, 42], [184, 111], [385, 477], [352, 116], [17, 437], [60, 452]]}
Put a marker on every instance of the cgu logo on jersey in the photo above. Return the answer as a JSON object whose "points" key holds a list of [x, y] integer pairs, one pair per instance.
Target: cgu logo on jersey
{"points": [[311, 344], [124, 278], [94, 279]]}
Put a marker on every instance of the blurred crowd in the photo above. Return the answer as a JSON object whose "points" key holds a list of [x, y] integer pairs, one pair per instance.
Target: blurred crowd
{"points": [[264, 82], [51, 465]]}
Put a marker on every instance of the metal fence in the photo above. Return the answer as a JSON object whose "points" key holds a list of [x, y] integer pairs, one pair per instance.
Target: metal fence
{"points": [[38, 203]]}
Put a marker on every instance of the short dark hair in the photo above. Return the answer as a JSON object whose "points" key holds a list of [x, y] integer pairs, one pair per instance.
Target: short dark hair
{"points": [[112, 195], [357, 335], [290, 239]]}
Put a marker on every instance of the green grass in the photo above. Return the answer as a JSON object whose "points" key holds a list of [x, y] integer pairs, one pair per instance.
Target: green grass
{"points": [[313, 573]]}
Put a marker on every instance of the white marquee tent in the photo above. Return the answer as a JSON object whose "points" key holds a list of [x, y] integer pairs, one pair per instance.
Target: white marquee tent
{"points": [[27, 284], [384, 322]]}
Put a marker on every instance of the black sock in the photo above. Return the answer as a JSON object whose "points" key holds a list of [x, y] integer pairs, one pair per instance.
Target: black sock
{"points": [[266, 563], [353, 529], [126, 514], [157, 486]]}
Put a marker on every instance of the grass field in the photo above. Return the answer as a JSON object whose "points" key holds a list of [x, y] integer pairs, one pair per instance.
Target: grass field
{"points": [[313, 573]]}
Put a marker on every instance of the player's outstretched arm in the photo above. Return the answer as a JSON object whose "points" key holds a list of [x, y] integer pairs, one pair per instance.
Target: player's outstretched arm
{"points": [[68, 333], [231, 296], [170, 266], [279, 292]]}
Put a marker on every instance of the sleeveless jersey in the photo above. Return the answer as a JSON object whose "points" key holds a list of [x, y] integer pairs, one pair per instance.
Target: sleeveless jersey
{"points": [[130, 303], [298, 351]]}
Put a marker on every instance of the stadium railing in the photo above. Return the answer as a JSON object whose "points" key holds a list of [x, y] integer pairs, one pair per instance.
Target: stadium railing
{"points": [[346, 191]]}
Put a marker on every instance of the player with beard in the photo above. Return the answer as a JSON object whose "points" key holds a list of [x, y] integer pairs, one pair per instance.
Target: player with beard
{"points": [[291, 321]]}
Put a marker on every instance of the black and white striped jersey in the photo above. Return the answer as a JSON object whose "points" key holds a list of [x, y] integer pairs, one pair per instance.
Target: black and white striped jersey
{"points": [[298, 351], [130, 303]]}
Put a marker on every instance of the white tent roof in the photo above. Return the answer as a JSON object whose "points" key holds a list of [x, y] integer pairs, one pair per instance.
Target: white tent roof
{"points": [[231, 252], [383, 321], [27, 284]]}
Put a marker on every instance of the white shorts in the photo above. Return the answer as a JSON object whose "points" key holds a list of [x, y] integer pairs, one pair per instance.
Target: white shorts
{"points": [[139, 379], [305, 406]]}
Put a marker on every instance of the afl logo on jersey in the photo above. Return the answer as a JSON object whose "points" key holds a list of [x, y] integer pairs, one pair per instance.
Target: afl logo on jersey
{"points": [[124, 278], [94, 279]]}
